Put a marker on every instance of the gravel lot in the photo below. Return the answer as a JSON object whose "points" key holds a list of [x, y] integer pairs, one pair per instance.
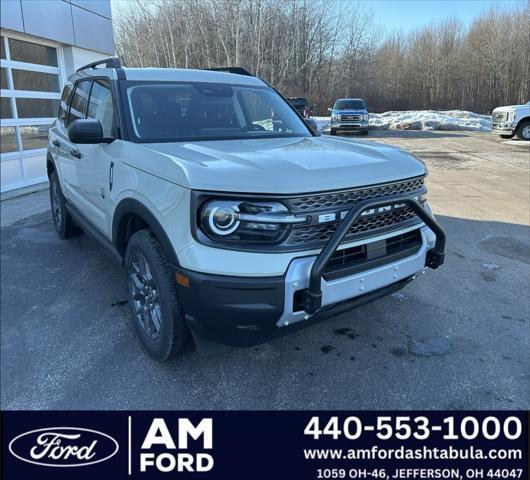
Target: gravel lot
{"points": [[457, 338]]}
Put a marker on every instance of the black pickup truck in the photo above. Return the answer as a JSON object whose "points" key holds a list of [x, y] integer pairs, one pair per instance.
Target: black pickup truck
{"points": [[305, 109]]}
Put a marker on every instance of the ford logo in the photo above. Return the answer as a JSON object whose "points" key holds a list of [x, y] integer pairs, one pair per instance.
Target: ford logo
{"points": [[63, 447]]}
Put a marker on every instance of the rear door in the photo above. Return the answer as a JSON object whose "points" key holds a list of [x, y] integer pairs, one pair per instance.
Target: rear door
{"points": [[59, 135]]}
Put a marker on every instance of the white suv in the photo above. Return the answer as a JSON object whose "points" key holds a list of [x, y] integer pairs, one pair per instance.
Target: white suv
{"points": [[232, 219]]}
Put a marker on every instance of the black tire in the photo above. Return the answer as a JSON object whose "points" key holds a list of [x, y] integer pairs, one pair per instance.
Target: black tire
{"points": [[364, 132], [508, 136], [157, 302], [523, 131], [333, 132], [62, 220]]}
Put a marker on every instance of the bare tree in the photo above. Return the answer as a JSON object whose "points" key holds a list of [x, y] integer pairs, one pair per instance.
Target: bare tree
{"points": [[330, 49]]}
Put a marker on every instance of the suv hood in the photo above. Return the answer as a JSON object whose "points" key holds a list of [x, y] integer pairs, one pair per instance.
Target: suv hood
{"points": [[277, 166], [349, 112]]}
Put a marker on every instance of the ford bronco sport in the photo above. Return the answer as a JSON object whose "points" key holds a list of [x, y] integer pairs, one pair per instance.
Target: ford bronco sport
{"points": [[232, 219]]}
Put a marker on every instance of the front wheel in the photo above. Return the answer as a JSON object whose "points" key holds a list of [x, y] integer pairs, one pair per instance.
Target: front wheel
{"points": [[333, 132], [157, 313], [508, 136], [523, 131], [364, 132]]}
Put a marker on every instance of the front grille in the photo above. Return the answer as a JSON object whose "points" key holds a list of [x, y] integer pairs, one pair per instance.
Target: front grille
{"points": [[371, 255], [499, 117], [350, 118], [351, 197], [322, 233]]}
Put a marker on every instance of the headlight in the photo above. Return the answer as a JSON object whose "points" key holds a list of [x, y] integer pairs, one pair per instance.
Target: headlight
{"points": [[334, 118], [221, 218], [231, 221], [365, 117]]}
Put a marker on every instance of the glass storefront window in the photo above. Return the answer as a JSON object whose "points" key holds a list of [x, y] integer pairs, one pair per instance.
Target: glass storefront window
{"points": [[34, 136], [37, 107], [36, 81], [2, 48], [5, 108], [8, 140], [30, 52], [3, 78]]}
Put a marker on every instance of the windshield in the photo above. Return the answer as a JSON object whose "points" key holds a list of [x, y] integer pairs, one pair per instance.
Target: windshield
{"points": [[168, 112], [350, 105]]}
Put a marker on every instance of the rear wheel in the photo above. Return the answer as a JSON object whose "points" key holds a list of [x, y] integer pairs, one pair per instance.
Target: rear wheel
{"points": [[62, 220], [157, 313], [523, 131]]}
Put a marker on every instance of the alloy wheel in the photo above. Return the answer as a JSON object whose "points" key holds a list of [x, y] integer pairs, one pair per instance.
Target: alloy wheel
{"points": [[145, 295]]}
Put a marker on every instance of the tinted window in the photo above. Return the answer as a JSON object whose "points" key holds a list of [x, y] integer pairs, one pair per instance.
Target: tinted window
{"points": [[29, 52], [37, 81], [63, 108], [36, 107], [2, 48], [101, 107], [350, 105], [179, 111], [79, 101]]}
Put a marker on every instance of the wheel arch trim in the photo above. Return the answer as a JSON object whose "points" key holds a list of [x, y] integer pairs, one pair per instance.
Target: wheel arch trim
{"points": [[131, 206]]}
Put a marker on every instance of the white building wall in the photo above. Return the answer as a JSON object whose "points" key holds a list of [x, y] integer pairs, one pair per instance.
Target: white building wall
{"points": [[43, 42]]}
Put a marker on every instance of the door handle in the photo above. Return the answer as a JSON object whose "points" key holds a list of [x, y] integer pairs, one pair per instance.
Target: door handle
{"points": [[75, 153], [56, 142]]}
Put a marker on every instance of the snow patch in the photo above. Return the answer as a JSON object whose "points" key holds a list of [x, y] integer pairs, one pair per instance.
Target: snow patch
{"points": [[422, 120]]}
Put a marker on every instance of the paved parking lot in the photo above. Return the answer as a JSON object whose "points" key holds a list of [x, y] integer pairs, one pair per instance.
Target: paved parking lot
{"points": [[457, 338]]}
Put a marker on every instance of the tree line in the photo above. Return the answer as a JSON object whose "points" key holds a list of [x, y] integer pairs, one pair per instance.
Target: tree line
{"points": [[324, 50]]}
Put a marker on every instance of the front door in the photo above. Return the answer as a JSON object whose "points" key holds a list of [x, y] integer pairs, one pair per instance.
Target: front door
{"points": [[94, 163]]}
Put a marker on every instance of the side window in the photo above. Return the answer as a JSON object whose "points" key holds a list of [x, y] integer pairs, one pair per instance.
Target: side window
{"points": [[63, 107], [79, 101], [100, 106]]}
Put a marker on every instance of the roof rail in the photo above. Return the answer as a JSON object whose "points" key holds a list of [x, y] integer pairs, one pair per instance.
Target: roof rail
{"points": [[236, 70], [113, 62]]}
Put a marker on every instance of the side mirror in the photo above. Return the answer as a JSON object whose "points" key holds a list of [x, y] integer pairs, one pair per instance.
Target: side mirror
{"points": [[86, 130], [330, 110]]}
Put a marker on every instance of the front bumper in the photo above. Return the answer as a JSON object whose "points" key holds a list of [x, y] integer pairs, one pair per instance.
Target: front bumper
{"points": [[247, 311], [503, 128], [350, 126]]}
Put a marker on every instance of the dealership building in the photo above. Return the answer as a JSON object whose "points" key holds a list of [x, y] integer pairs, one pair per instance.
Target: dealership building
{"points": [[42, 43]]}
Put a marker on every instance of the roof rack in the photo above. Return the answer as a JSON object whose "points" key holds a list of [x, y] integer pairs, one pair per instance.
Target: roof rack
{"points": [[113, 62], [236, 70]]}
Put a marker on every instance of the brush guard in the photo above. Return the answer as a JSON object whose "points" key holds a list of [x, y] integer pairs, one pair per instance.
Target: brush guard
{"points": [[312, 296]]}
